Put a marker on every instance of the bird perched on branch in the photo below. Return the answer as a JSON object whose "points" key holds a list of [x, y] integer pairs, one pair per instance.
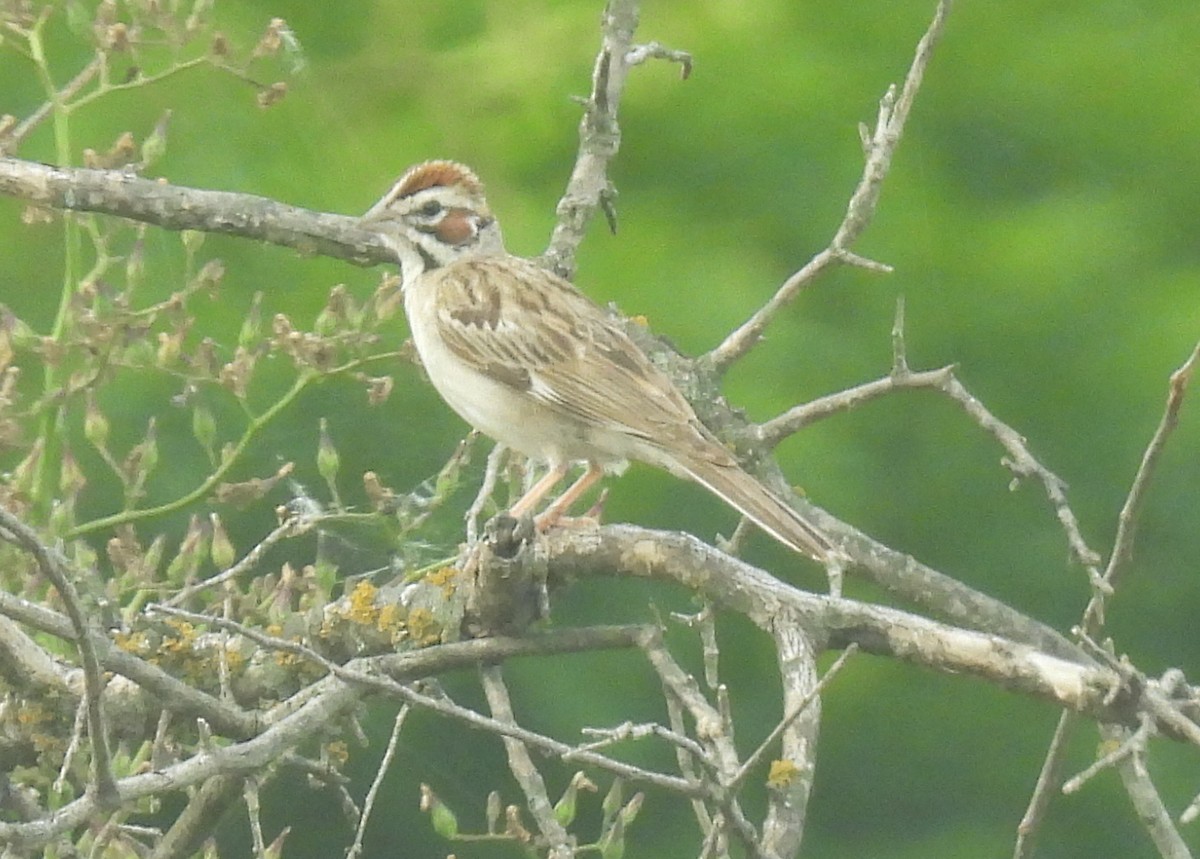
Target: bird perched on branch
{"points": [[526, 358]]}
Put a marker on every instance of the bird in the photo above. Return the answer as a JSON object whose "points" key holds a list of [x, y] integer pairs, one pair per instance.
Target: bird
{"points": [[526, 358]]}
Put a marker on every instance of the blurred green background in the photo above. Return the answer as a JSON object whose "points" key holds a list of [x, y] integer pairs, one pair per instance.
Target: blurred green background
{"points": [[1042, 220]]}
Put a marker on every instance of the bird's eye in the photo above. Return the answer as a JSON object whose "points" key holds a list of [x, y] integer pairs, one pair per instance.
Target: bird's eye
{"points": [[430, 209]]}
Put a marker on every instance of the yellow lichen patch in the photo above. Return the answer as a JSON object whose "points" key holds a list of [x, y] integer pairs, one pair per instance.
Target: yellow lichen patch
{"points": [[445, 578], [423, 626], [362, 608], [782, 774], [338, 752], [136, 643], [234, 658], [183, 642], [286, 658], [391, 621]]}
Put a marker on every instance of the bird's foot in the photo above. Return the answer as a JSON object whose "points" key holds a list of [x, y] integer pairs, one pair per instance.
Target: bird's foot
{"points": [[555, 516]]}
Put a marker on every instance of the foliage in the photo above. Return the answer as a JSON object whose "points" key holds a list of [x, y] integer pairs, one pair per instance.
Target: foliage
{"points": [[161, 396]]}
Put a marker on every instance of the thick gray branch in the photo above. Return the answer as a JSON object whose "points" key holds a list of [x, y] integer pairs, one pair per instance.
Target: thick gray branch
{"points": [[833, 622], [174, 207]]}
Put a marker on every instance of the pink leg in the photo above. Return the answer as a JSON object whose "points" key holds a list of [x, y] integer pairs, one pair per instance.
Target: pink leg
{"points": [[530, 499], [563, 503]]}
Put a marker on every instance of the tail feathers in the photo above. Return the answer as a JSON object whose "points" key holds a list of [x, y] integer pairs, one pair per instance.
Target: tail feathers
{"points": [[762, 507]]}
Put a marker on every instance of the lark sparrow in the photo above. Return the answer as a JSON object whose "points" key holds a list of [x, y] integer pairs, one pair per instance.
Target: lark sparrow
{"points": [[524, 357]]}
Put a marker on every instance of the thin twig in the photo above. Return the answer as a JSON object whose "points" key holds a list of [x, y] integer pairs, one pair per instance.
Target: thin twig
{"points": [[1127, 520], [629, 731], [758, 754], [1094, 612], [1132, 743], [12, 141], [1023, 463], [687, 761], [588, 188], [487, 486], [254, 815], [772, 432], [712, 728], [72, 749], [521, 765], [880, 147], [899, 347], [1020, 460], [384, 765], [638, 54], [293, 526], [1048, 781], [705, 624], [1148, 806]]}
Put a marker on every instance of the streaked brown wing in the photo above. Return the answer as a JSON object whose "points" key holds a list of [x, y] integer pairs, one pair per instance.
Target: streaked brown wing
{"points": [[536, 332]]}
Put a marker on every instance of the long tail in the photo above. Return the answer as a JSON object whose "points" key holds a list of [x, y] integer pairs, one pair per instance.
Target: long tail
{"points": [[761, 506]]}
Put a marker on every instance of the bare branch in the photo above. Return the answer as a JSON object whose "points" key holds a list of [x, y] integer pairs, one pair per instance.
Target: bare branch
{"points": [[521, 765], [736, 586], [1141, 791], [293, 526], [24, 664], [1131, 743], [194, 825], [629, 731], [487, 486], [1020, 461], [589, 189], [388, 674], [384, 765], [315, 707], [253, 812], [170, 692], [880, 145], [1127, 521], [809, 697], [714, 731], [174, 207], [639, 54], [1048, 780], [789, 794], [775, 430], [54, 567], [1148, 806], [11, 142]]}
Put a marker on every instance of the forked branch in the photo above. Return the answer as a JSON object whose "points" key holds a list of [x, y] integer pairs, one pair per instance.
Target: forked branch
{"points": [[879, 146]]}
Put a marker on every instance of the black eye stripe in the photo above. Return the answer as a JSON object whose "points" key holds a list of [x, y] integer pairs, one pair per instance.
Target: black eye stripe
{"points": [[427, 258]]}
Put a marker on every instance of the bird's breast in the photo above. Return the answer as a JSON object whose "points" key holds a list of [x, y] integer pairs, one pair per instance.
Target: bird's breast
{"points": [[496, 406]]}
